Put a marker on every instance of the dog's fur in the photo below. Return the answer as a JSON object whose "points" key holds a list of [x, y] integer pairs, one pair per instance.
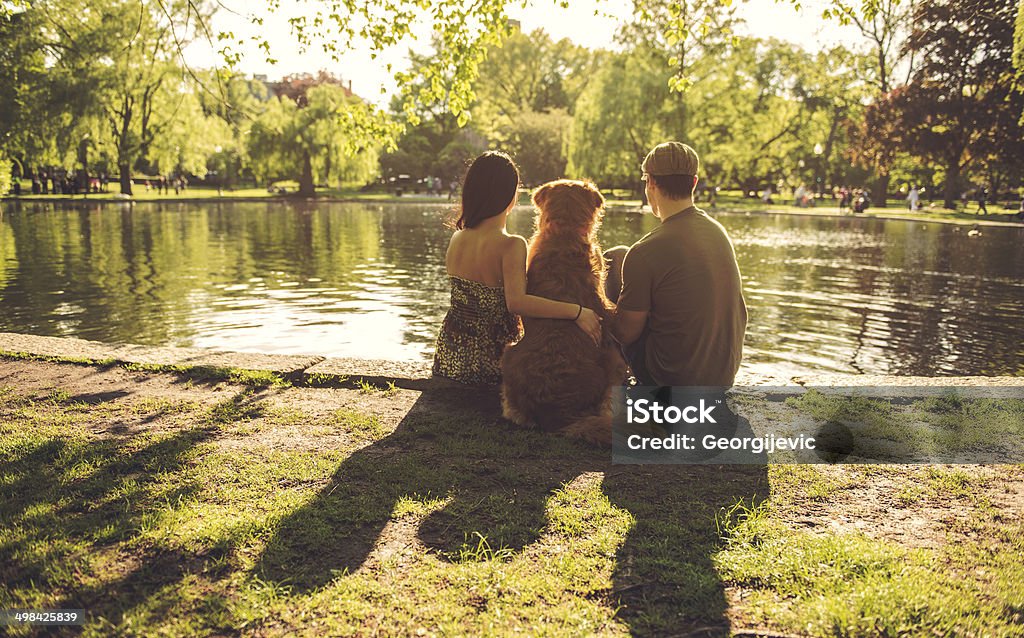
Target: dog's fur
{"points": [[556, 378]]}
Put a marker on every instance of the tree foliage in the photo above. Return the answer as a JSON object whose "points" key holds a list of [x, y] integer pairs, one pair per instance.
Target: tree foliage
{"points": [[530, 73], [625, 110], [961, 109], [107, 79], [525, 97], [304, 143], [760, 111], [1018, 36]]}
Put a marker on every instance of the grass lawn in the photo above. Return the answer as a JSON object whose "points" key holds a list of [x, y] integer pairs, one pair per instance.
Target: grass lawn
{"points": [[734, 202], [166, 505]]}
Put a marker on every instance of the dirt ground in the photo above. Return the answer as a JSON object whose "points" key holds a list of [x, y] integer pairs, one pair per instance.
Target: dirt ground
{"points": [[117, 385]]}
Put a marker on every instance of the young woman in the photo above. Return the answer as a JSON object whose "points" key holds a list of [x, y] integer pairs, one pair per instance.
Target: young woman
{"points": [[487, 270]]}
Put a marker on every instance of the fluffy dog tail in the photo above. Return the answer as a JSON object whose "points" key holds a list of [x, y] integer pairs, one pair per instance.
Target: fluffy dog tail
{"points": [[593, 429]]}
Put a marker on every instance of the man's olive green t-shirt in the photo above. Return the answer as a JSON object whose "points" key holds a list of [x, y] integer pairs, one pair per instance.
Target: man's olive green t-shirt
{"points": [[684, 273]]}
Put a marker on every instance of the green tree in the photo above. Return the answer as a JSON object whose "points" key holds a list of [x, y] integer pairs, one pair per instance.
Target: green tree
{"points": [[126, 56], [885, 26], [41, 103], [306, 143], [193, 137], [767, 111], [23, 86], [680, 34], [529, 73], [961, 108], [432, 143], [237, 102], [624, 111], [525, 96], [538, 142]]}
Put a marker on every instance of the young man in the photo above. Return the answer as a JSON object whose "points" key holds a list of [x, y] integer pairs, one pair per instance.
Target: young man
{"points": [[681, 316]]}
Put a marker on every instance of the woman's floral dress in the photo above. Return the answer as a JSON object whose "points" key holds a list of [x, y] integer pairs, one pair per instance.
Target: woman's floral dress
{"points": [[474, 334]]}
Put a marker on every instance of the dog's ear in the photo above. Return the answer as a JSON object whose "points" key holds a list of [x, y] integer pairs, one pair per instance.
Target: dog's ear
{"points": [[595, 195], [541, 195]]}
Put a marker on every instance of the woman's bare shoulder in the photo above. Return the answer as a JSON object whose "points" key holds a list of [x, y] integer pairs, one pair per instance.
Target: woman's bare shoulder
{"points": [[512, 242]]}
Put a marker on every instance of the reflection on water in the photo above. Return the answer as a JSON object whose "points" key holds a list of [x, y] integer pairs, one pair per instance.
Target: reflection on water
{"points": [[825, 294]]}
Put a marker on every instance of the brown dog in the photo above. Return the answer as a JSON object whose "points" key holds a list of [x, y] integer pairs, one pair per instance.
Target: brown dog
{"points": [[556, 378]]}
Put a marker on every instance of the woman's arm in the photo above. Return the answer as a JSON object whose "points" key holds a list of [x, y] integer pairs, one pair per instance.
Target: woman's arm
{"points": [[513, 270]]}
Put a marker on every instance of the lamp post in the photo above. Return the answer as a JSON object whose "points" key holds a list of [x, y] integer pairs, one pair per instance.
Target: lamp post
{"points": [[818, 178], [82, 180]]}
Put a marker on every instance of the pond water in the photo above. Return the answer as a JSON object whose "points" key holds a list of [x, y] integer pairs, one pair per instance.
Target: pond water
{"points": [[365, 280]]}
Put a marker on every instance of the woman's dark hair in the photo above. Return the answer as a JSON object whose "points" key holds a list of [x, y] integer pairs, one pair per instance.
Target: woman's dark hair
{"points": [[490, 184]]}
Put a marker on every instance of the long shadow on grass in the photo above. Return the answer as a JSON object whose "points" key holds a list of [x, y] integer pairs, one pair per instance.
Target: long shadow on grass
{"points": [[484, 478], [69, 498], [664, 580], [494, 482]]}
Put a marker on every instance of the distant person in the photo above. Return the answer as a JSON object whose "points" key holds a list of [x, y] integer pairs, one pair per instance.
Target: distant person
{"points": [[487, 272], [982, 200], [453, 187], [861, 201], [845, 198], [766, 195], [709, 193], [913, 198]]}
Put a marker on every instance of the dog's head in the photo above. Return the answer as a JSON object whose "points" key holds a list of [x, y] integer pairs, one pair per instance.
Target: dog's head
{"points": [[569, 206]]}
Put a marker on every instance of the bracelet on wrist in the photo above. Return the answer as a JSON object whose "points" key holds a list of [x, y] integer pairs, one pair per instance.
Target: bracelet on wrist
{"points": [[579, 312]]}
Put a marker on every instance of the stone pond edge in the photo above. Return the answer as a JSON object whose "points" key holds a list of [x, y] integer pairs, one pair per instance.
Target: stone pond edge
{"points": [[317, 370]]}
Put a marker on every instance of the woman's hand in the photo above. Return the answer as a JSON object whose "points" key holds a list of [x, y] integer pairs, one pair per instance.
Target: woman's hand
{"points": [[590, 323]]}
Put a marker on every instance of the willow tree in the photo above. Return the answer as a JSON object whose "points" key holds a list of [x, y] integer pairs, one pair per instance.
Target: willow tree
{"points": [[305, 142], [625, 110], [124, 57]]}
